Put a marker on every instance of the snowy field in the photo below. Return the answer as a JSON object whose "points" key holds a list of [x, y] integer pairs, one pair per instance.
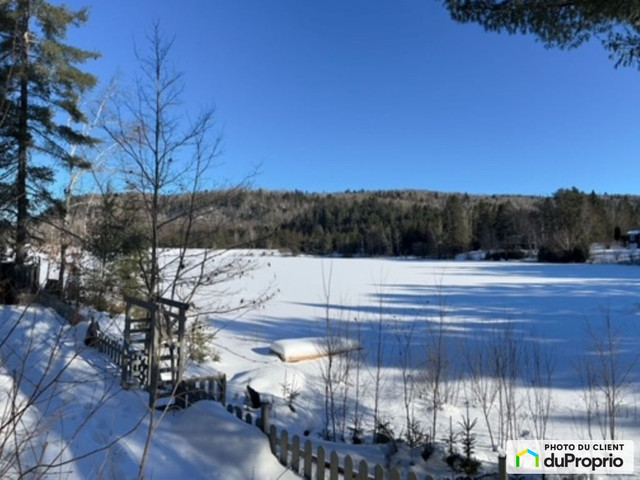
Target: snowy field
{"points": [[385, 304]]}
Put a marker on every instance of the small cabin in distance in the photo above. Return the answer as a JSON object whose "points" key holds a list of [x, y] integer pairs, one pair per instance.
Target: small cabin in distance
{"points": [[632, 239]]}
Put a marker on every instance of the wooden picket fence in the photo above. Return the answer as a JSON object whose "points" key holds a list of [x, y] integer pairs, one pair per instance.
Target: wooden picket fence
{"points": [[316, 463], [111, 347], [210, 387], [134, 367]]}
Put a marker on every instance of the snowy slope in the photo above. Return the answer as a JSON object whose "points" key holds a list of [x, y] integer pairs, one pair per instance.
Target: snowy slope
{"points": [[85, 411]]}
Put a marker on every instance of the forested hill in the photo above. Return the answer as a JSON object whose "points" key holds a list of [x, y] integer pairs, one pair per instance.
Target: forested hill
{"points": [[419, 223]]}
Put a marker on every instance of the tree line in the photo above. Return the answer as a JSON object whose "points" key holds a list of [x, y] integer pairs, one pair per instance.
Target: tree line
{"points": [[557, 228]]}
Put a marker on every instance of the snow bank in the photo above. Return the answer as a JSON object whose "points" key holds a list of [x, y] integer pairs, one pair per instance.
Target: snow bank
{"points": [[600, 253], [216, 445], [298, 349]]}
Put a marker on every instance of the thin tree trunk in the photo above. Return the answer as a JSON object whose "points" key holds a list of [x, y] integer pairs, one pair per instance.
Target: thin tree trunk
{"points": [[23, 145]]}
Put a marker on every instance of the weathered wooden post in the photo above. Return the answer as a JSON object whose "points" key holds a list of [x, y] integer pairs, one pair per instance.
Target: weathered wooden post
{"points": [[348, 468], [273, 439], [295, 454], [334, 465], [320, 463], [182, 345], [152, 355], [363, 470], [378, 472], [308, 459], [265, 409], [124, 379], [502, 467], [284, 448]]}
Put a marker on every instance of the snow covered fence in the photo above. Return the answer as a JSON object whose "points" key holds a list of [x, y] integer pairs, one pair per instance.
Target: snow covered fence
{"points": [[210, 387], [262, 422], [315, 463]]}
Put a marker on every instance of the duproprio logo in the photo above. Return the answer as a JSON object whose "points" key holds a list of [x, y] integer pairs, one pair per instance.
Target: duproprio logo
{"points": [[561, 457], [530, 452]]}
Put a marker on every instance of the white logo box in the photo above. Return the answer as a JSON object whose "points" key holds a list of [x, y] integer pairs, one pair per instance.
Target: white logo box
{"points": [[570, 457]]}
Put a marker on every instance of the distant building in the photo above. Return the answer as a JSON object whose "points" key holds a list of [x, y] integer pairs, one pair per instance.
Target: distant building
{"points": [[633, 238]]}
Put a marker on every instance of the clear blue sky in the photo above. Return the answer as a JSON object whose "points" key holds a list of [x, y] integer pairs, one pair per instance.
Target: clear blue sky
{"points": [[368, 94]]}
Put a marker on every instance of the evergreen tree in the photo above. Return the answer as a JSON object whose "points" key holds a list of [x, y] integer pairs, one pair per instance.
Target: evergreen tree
{"points": [[561, 23], [456, 225], [39, 80]]}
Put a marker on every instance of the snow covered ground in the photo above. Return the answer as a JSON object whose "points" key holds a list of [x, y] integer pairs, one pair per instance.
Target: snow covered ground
{"points": [[76, 407], [377, 301], [555, 306], [601, 253]]}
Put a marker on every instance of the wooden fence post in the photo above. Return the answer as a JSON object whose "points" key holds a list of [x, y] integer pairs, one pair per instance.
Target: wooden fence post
{"points": [[308, 458], [238, 412], [320, 463], [413, 476], [348, 468], [284, 448], [273, 439], [295, 454], [363, 470], [334, 466], [265, 409], [502, 467], [394, 474], [378, 472]]}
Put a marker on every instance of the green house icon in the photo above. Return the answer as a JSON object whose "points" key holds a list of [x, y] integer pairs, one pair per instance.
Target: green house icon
{"points": [[530, 452]]}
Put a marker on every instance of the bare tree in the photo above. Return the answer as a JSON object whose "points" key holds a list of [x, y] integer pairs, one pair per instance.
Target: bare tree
{"points": [[484, 386], [159, 154], [505, 358], [163, 154], [92, 158], [436, 384], [405, 338], [589, 398], [540, 370], [610, 368], [379, 327]]}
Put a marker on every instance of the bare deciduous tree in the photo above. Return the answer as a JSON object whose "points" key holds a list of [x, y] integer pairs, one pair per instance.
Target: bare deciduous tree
{"points": [[483, 385], [405, 338], [610, 368], [436, 384], [540, 368], [164, 154]]}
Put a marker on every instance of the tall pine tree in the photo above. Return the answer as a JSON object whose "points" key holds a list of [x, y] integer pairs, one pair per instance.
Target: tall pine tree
{"points": [[40, 88]]}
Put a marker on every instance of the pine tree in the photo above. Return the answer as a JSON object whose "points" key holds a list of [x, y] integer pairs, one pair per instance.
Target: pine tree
{"points": [[561, 23], [39, 81]]}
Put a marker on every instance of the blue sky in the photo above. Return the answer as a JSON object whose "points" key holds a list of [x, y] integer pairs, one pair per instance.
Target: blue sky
{"points": [[368, 94]]}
